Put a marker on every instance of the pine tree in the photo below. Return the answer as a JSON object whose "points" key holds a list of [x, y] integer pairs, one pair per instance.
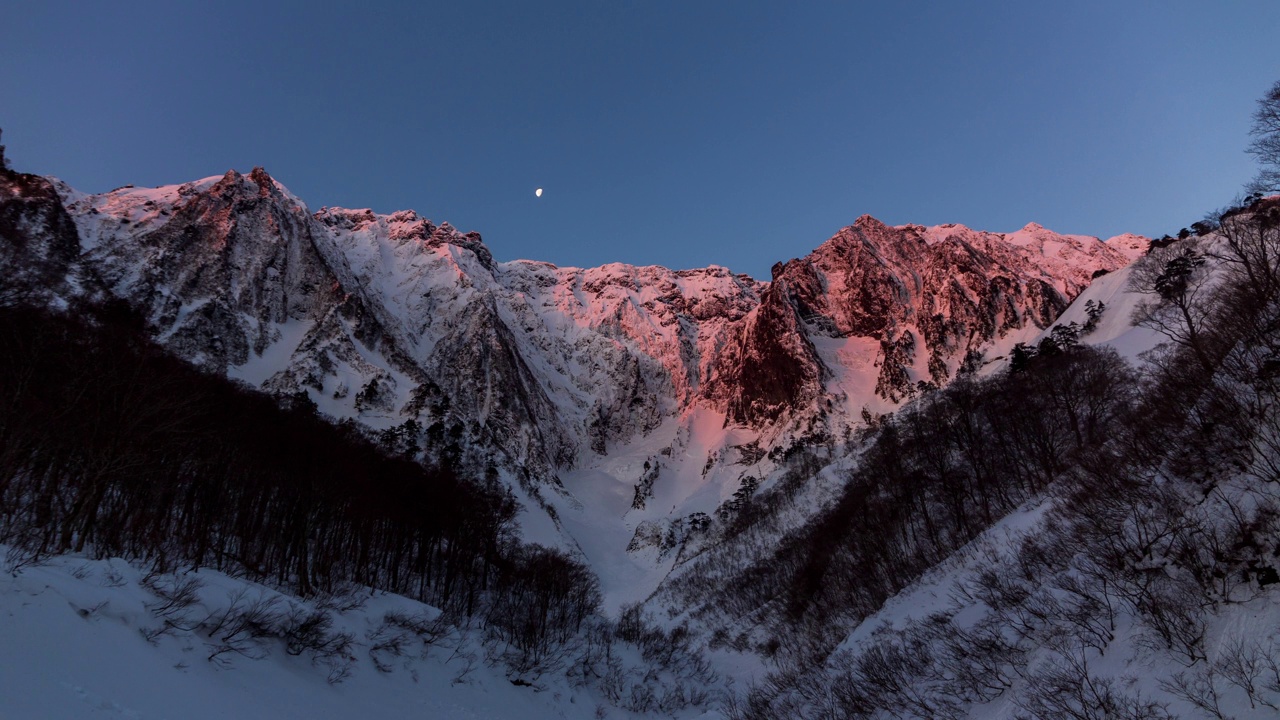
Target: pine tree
{"points": [[1066, 336], [1094, 310], [1177, 272], [1021, 357]]}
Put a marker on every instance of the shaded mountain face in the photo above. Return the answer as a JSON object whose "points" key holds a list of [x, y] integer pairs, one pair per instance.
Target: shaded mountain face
{"points": [[38, 239], [414, 328]]}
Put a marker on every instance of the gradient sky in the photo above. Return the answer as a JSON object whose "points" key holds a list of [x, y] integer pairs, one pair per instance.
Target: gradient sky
{"points": [[682, 134]]}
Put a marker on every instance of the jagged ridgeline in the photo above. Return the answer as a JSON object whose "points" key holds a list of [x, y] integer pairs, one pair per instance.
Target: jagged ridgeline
{"points": [[526, 367]]}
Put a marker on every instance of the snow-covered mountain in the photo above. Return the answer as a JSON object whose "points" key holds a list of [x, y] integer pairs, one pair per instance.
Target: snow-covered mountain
{"points": [[377, 316], [708, 444], [642, 392]]}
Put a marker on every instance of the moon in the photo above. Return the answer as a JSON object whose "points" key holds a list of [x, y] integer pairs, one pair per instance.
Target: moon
{"points": [[537, 193]]}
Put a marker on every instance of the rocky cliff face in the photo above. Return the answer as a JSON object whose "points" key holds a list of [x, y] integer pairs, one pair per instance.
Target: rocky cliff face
{"points": [[929, 297], [38, 239], [415, 330], [217, 267]]}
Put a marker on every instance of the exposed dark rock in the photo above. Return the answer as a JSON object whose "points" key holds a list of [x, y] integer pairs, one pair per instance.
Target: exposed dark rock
{"points": [[38, 238]]}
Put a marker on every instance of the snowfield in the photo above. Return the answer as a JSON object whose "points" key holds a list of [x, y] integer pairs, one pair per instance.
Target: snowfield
{"points": [[75, 646]]}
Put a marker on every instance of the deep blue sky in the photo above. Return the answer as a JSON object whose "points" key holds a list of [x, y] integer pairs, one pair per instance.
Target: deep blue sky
{"points": [[684, 133]]}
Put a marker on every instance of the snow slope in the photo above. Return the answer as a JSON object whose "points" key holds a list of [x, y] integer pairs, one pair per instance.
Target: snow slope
{"points": [[75, 647]]}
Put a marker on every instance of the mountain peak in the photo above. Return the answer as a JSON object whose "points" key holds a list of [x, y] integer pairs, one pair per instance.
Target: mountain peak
{"points": [[471, 240], [405, 226], [258, 182], [1130, 245], [868, 223], [261, 178]]}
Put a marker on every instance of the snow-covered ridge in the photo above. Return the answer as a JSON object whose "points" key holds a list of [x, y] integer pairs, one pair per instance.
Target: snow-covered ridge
{"points": [[561, 378], [1066, 261]]}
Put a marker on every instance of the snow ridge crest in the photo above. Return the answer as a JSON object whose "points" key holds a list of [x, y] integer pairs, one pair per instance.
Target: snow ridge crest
{"points": [[392, 319]]}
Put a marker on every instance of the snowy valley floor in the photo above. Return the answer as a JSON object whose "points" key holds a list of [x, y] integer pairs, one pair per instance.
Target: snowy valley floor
{"points": [[73, 646]]}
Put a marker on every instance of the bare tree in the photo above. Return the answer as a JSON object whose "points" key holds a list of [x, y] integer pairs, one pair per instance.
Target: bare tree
{"points": [[1064, 687], [1266, 141], [1180, 284]]}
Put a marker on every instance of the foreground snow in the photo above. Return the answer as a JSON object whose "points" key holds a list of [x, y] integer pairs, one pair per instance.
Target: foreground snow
{"points": [[74, 646]]}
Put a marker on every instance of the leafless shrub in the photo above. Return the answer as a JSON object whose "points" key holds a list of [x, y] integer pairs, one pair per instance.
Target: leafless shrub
{"points": [[1064, 689], [18, 558], [242, 626], [387, 643], [640, 699], [1198, 686], [1087, 607], [339, 670], [342, 601], [613, 680], [398, 632], [113, 578], [1270, 679], [1174, 619], [979, 663], [1245, 663], [428, 629], [895, 672], [176, 598], [311, 631]]}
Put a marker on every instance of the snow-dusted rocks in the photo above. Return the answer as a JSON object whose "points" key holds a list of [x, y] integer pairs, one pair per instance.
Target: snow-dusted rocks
{"points": [[217, 268], [929, 297]]}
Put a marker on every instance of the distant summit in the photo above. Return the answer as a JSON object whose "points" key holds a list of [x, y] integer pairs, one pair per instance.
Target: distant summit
{"points": [[392, 319]]}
